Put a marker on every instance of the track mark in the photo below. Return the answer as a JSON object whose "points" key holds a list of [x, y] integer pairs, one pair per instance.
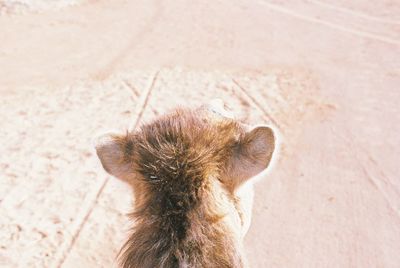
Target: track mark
{"points": [[354, 13], [390, 189], [251, 99], [331, 25], [143, 101], [94, 196]]}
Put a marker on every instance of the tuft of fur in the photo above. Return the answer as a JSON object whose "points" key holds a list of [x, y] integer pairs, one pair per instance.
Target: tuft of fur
{"points": [[177, 219]]}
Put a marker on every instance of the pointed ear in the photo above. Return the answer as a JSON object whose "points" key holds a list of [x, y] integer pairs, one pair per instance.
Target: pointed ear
{"points": [[253, 154], [111, 149]]}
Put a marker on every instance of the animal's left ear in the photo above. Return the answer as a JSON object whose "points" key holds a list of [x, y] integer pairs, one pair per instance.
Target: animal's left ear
{"points": [[253, 154]]}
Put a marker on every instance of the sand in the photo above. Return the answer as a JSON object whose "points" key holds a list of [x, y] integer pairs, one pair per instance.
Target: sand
{"points": [[326, 74]]}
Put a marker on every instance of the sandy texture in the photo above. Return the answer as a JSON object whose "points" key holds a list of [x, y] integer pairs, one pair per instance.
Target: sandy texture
{"points": [[24, 6], [325, 73]]}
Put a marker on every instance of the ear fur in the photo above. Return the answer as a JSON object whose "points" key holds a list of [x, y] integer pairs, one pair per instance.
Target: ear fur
{"points": [[254, 153], [110, 150]]}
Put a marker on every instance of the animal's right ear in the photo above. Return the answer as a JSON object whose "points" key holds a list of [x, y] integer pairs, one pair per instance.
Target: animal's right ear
{"points": [[252, 155], [111, 150]]}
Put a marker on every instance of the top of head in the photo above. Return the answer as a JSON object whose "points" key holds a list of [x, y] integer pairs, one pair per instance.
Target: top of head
{"points": [[189, 145]]}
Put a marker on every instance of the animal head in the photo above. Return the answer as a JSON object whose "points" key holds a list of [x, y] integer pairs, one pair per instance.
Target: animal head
{"points": [[189, 169]]}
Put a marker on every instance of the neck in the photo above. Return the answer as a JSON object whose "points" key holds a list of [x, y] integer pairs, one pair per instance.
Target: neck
{"points": [[209, 238]]}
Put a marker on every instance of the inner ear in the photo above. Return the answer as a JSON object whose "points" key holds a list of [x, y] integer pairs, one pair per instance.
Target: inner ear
{"points": [[113, 151], [253, 154]]}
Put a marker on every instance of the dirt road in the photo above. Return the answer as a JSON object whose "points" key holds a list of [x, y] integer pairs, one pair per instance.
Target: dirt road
{"points": [[327, 73]]}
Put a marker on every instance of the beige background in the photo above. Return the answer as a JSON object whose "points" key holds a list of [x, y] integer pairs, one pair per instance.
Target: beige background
{"points": [[327, 73]]}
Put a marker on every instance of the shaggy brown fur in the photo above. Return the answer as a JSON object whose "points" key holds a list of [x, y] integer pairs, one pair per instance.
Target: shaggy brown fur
{"points": [[182, 169]]}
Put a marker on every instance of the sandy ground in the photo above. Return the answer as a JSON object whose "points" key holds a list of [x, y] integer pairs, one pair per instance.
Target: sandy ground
{"points": [[326, 73]]}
